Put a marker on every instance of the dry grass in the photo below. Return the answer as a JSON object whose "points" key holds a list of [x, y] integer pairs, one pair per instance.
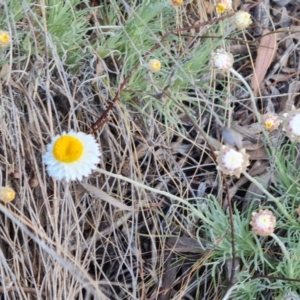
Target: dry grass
{"points": [[58, 240]]}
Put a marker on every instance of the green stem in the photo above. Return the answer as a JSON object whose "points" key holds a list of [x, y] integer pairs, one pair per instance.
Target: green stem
{"points": [[197, 212], [285, 252], [271, 197], [257, 114]]}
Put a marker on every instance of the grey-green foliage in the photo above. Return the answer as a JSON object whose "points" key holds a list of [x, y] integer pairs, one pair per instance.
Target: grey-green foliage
{"points": [[287, 167], [54, 29], [135, 34]]}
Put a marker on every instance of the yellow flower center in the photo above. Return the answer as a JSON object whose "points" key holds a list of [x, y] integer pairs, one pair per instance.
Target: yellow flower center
{"points": [[4, 38], [233, 159], [176, 2], [156, 65], [265, 220], [67, 149], [221, 8], [269, 124]]}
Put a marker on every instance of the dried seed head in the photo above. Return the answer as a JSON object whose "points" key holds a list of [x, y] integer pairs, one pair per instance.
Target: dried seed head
{"points": [[33, 182], [16, 175]]}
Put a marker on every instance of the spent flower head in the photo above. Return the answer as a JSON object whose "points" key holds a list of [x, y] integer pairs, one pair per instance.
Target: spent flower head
{"points": [[271, 121], [72, 155], [291, 125], [231, 161], [4, 38], [263, 222], [154, 65], [242, 20], [222, 60], [223, 6], [7, 194]]}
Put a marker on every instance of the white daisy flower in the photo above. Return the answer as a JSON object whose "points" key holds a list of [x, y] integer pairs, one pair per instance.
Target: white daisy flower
{"points": [[223, 6], [72, 155], [291, 125], [271, 121], [231, 161], [222, 60], [263, 223]]}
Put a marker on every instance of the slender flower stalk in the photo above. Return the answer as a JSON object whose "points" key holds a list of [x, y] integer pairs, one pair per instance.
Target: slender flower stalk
{"points": [[263, 223], [272, 198], [285, 253]]}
